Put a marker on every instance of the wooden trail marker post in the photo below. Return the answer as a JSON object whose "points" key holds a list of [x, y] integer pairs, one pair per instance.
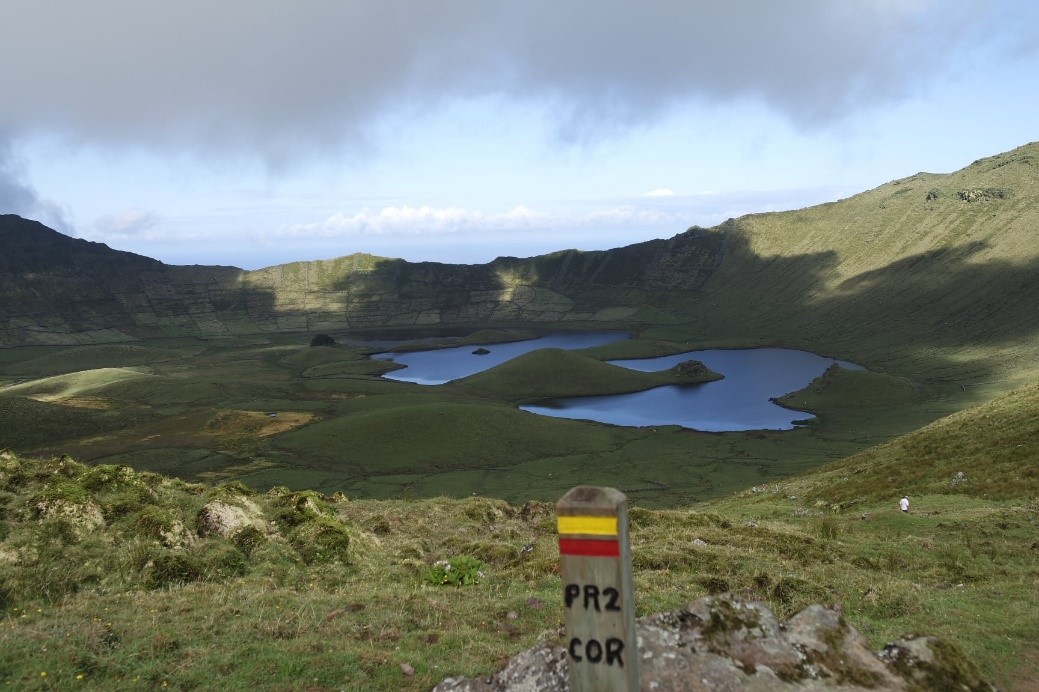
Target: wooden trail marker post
{"points": [[598, 596]]}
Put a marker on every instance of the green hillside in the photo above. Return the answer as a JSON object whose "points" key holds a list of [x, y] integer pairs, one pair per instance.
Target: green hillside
{"points": [[115, 578]]}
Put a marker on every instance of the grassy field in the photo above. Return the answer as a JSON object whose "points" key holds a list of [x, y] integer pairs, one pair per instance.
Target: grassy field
{"points": [[288, 607]]}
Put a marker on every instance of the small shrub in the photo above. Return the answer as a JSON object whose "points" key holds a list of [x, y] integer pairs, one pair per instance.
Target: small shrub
{"points": [[487, 511], [126, 502], [62, 491], [296, 508], [378, 525], [496, 553], [108, 476], [322, 340], [167, 568], [828, 528], [715, 585], [460, 571], [221, 560], [248, 538], [788, 588], [278, 561], [321, 540], [152, 521], [231, 490]]}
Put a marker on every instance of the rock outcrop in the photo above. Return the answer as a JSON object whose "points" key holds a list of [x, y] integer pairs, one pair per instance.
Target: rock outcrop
{"points": [[228, 519], [724, 643]]}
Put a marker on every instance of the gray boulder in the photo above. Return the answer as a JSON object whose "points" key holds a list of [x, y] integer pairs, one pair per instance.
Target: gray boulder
{"points": [[725, 643]]}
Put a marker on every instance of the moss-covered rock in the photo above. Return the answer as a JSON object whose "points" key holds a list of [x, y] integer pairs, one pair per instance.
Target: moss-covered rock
{"points": [[164, 526], [295, 508], [929, 663], [69, 505], [321, 540]]}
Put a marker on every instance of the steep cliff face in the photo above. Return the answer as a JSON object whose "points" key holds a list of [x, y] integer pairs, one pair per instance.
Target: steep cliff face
{"points": [[935, 257], [61, 290]]}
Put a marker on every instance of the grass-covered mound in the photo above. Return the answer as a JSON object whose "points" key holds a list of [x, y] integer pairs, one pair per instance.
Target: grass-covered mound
{"points": [[130, 579], [311, 356], [73, 384], [553, 372]]}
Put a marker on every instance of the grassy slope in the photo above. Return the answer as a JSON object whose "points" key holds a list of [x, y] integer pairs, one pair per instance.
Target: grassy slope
{"points": [[549, 373], [939, 288], [962, 565]]}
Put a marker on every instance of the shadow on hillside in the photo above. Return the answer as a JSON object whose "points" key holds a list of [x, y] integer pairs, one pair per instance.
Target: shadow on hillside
{"points": [[943, 297], [566, 285], [710, 281], [715, 283]]}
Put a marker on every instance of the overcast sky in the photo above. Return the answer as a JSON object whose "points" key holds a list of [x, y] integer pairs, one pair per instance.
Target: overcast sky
{"points": [[254, 132]]}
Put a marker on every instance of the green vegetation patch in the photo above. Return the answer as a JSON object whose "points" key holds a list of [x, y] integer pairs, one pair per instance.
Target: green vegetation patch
{"points": [[73, 384], [28, 423], [351, 368], [182, 462], [123, 602], [986, 451], [320, 355], [635, 348], [552, 372], [441, 435], [95, 357]]}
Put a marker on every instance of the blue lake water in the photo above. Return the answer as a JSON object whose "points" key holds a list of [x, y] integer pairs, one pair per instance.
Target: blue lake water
{"points": [[445, 364], [741, 401]]}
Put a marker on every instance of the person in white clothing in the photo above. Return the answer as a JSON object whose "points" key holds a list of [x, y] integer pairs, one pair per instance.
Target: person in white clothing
{"points": [[903, 504]]}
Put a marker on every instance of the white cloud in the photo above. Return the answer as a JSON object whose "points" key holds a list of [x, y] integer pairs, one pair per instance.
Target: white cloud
{"points": [[660, 192], [428, 220], [424, 220], [129, 222]]}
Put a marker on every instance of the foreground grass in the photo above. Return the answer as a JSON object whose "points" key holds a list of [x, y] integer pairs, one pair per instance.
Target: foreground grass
{"points": [[286, 607]]}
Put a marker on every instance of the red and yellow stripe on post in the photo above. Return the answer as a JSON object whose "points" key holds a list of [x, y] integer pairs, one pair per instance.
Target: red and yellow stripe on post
{"points": [[588, 536]]}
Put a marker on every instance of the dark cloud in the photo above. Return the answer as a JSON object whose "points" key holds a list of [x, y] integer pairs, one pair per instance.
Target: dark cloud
{"points": [[284, 80]]}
